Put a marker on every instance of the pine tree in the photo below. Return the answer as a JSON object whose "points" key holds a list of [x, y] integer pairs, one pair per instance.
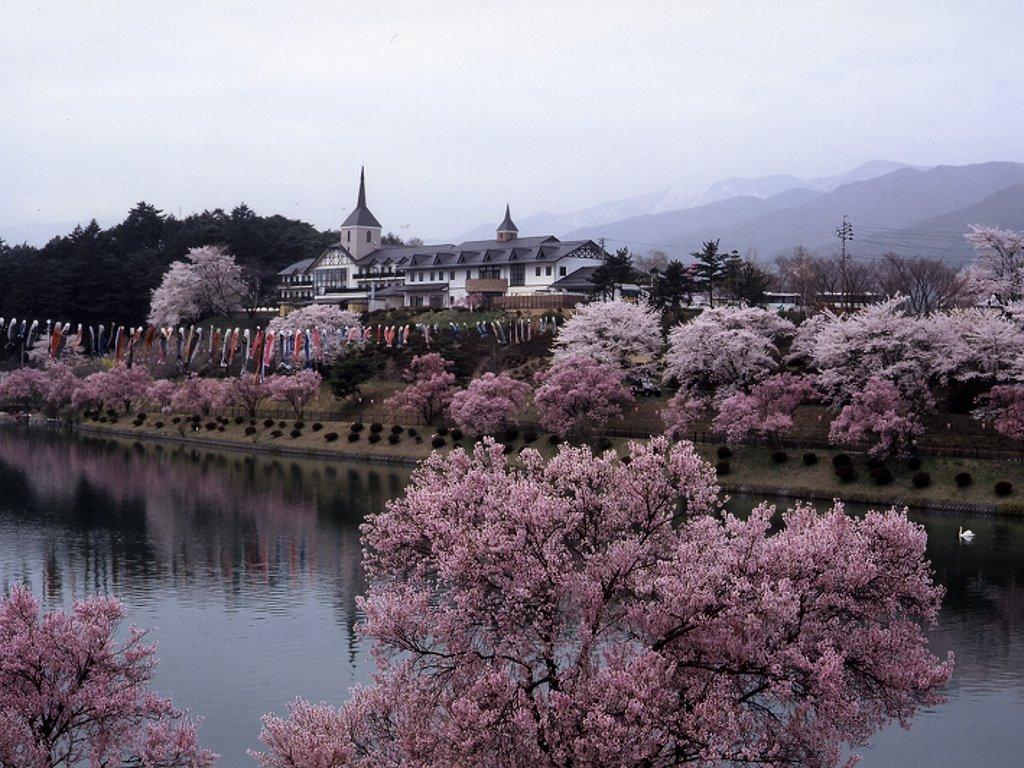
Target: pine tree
{"points": [[616, 270]]}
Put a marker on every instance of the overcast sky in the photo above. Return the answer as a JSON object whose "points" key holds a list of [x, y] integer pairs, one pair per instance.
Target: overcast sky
{"points": [[455, 108]]}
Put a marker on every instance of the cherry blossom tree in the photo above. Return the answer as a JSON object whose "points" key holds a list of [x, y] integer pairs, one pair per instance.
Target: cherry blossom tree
{"points": [[297, 389], [766, 411], [879, 415], [70, 694], [879, 341], [617, 333], [120, 386], [24, 386], [325, 317], [248, 392], [578, 392], [588, 612], [725, 349], [161, 394], [680, 413], [983, 345], [200, 394], [489, 403], [58, 386], [208, 282], [999, 269], [1003, 405], [430, 389]]}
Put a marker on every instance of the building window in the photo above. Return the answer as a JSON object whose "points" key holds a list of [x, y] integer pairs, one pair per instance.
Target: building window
{"points": [[537, 272], [368, 234], [547, 271], [330, 279], [431, 275], [451, 275], [490, 273], [349, 233], [517, 274], [561, 271], [421, 276]]}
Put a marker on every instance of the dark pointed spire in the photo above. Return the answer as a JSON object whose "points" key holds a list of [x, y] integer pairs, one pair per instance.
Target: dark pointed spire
{"points": [[361, 216], [507, 230]]}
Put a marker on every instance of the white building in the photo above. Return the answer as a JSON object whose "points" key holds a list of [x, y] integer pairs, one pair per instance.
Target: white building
{"points": [[359, 272]]}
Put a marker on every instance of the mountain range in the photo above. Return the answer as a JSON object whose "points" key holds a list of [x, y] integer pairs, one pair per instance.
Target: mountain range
{"points": [[893, 208]]}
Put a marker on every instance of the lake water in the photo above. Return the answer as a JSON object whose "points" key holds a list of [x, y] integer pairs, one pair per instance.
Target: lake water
{"points": [[246, 569]]}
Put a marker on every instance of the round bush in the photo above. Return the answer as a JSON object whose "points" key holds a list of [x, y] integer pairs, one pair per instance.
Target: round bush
{"points": [[456, 434], [442, 431], [276, 433], [779, 457], [881, 476], [842, 460], [438, 441], [102, 419], [136, 423], [141, 415], [511, 434], [921, 480], [211, 425], [250, 431], [376, 427], [1004, 488], [175, 419], [158, 424], [299, 424], [529, 436], [724, 452], [875, 463], [317, 426], [268, 423], [393, 438], [357, 426], [282, 424], [722, 467], [374, 437], [418, 439], [330, 437], [397, 429], [252, 422], [295, 433], [810, 459], [196, 418], [413, 432], [220, 428], [353, 437], [239, 420], [963, 479], [914, 463], [846, 473]]}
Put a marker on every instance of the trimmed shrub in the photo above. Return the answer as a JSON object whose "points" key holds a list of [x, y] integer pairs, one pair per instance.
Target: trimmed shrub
{"points": [[317, 426], [875, 463], [846, 473], [136, 423], [413, 432], [842, 460], [722, 467], [330, 437], [456, 434], [299, 424], [393, 438], [268, 423], [810, 459], [374, 437], [295, 433], [210, 426], [141, 415], [196, 418], [881, 476], [397, 429], [220, 428], [1003, 488], [252, 422], [376, 427], [282, 424], [442, 431], [175, 419], [724, 452], [158, 424], [914, 463], [963, 479], [250, 431], [357, 426], [921, 480], [437, 441], [529, 436], [418, 439], [779, 457], [239, 420], [276, 433], [353, 437]]}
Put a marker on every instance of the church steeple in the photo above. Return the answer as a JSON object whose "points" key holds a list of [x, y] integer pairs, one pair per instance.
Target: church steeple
{"points": [[360, 232], [507, 230]]}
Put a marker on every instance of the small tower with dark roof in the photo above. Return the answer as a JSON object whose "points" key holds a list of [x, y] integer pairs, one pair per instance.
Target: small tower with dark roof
{"points": [[507, 230], [360, 232]]}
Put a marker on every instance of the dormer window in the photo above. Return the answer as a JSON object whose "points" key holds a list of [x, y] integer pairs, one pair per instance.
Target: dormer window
{"points": [[349, 233]]}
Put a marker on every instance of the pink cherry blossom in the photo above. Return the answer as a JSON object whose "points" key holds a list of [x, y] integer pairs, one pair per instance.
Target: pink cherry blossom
{"points": [[489, 403], [999, 269], [248, 392], [208, 282], [120, 386], [199, 394], [616, 333], [577, 393], [327, 318], [879, 415], [1004, 406], [296, 389], [161, 394], [589, 612], [70, 694], [680, 413], [766, 411], [24, 386], [430, 389]]}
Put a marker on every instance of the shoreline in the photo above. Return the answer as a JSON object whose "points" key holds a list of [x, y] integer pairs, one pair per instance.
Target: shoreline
{"points": [[381, 456]]}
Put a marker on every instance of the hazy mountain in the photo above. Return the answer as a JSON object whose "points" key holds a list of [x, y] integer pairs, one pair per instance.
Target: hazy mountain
{"points": [[676, 199], [881, 209]]}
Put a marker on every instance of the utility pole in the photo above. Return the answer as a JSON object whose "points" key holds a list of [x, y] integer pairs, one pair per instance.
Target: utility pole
{"points": [[845, 234]]}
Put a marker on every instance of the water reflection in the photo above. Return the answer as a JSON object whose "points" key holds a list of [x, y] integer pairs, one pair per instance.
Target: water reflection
{"points": [[246, 567]]}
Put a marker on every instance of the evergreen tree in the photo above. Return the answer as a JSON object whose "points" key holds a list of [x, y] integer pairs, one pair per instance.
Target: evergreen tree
{"points": [[616, 270], [710, 267], [672, 287]]}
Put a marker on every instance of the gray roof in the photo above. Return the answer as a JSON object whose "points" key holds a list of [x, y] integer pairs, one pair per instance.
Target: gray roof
{"points": [[477, 252], [297, 267], [399, 290], [508, 225], [581, 279], [361, 216]]}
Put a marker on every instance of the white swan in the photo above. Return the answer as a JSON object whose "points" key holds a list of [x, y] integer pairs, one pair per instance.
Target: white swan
{"points": [[967, 535]]}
